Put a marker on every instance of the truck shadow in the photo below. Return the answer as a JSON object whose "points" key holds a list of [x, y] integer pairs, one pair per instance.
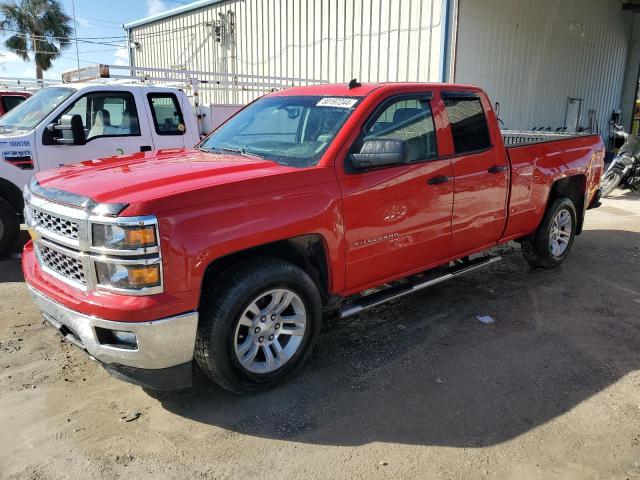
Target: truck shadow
{"points": [[423, 370]]}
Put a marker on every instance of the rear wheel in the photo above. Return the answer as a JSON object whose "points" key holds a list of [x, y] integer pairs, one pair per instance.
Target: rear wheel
{"points": [[9, 227], [259, 327], [550, 244], [610, 182]]}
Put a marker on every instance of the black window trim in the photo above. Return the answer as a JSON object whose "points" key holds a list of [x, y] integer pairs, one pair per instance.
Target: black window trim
{"points": [[102, 92], [466, 95], [153, 112], [374, 115]]}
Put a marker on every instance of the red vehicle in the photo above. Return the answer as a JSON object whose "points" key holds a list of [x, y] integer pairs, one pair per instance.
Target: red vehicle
{"points": [[9, 100], [230, 252]]}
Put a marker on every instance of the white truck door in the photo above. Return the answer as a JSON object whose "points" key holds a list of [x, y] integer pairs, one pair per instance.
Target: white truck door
{"points": [[114, 124], [167, 120]]}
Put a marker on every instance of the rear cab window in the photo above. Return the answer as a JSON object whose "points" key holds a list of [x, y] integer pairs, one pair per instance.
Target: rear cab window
{"points": [[468, 121], [9, 102], [166, 113]]}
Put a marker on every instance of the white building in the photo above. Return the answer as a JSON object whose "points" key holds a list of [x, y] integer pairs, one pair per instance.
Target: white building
{"points": [[547, 62]]}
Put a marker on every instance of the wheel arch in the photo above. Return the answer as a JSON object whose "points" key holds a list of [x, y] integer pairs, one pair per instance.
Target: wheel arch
{"points": [[575, 188], [309, 252]]}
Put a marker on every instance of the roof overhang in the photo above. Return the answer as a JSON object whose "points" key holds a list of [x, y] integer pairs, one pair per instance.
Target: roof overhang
{"points": [[632, 5], [170, 13]]}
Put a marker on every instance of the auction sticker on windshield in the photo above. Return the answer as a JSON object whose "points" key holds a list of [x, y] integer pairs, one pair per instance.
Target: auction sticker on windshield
{"points": [[337, 102]]}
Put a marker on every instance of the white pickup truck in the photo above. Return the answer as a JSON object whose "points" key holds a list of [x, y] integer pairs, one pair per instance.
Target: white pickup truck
{"points": [[75, 122]]}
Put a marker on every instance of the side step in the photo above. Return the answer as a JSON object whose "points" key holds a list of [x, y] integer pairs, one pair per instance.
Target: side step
{"points": [[400, 290]]}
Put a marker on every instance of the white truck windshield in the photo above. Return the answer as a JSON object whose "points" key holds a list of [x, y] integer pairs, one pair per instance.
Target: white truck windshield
{"points": [[293, 130], [32, 111]]}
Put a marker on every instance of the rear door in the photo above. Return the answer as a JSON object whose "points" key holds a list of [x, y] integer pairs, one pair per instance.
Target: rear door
{"points": [[167, 120], [398, 219], [481, 173]]}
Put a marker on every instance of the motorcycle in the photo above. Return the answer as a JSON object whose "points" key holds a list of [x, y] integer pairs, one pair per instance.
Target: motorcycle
{"points": [[624, 169]]}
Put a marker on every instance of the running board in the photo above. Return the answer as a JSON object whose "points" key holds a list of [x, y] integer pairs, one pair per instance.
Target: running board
{"points": [[397, 291]]}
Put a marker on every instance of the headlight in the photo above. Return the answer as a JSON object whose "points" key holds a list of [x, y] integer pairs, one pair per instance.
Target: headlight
{"points": [[121, 237], [129, 277]]}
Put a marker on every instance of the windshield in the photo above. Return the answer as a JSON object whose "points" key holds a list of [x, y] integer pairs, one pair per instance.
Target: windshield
{"points": [[32, 111], [293, 131]]}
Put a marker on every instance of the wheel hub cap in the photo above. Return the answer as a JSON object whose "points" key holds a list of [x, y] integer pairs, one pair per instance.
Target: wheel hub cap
{"points": [[560, 233], [270, 331]]}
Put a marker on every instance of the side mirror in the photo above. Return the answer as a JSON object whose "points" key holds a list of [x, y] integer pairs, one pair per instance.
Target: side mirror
{"points": [[68, 123], [379, 153]]}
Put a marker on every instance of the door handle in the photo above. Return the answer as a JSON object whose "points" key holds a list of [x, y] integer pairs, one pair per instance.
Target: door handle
{"points": [[498, 169], [145, 148], [438, 180]]}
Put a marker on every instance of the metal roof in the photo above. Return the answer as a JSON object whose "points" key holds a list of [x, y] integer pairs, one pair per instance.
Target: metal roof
{"points": [[171, 13]]}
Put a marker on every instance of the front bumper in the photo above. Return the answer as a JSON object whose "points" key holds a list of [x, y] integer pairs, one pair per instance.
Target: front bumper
{"points": [[161, 358]]}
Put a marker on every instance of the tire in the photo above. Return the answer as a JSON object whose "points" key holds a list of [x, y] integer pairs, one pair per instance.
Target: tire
{"points": [[9, 227], [610, 182], [233, 310], [547, 247]]}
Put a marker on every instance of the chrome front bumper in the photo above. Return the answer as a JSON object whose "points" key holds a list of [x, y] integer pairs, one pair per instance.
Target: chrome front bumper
{"points": [[161, 344]]}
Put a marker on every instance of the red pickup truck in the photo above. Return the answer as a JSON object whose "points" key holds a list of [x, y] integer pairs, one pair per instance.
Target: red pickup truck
{"points": [[313, 199], [10, 100]]}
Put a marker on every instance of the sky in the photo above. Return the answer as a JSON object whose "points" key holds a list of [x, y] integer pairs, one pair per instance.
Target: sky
{"points": [[98, 21]]}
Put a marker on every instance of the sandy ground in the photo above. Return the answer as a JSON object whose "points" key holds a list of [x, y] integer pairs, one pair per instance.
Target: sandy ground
{"points": [[417, 388]]}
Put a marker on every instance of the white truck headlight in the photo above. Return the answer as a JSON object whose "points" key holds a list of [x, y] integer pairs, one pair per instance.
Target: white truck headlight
{"points": [[128, 277]]}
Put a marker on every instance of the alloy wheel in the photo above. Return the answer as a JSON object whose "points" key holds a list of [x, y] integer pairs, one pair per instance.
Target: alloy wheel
{"points": [[270, 331], [560, 233]]}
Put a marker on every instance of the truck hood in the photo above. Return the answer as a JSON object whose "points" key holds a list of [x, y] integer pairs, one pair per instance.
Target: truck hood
{"points": [[133, 178]]}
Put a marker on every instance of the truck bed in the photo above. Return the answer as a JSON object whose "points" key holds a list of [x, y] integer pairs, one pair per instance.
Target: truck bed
{"points": [[516, 138]]}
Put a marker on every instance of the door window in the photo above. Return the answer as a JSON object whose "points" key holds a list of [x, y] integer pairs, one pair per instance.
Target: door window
{"points": [[106, 114], [468, 124], [11, 101], [410, 120], [167, 116]]}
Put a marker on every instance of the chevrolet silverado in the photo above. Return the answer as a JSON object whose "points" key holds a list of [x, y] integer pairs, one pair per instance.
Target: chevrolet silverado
{"points": [[330, 198]]}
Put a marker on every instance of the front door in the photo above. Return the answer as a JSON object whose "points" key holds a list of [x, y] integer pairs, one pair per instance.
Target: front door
{"points": [[112, 126], [398, 218]]}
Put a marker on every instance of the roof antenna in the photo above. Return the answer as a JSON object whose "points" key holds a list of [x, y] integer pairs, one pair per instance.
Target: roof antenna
{"points": [[354, 83]]}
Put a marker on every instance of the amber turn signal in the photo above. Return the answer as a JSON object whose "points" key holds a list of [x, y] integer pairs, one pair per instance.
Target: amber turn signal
{"points": [[140, 236], [144, 276]]}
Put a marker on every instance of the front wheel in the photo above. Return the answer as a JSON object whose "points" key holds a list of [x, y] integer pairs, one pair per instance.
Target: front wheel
{"points": [[259, 326], [9, 227], [550, 244], [610, 182]]}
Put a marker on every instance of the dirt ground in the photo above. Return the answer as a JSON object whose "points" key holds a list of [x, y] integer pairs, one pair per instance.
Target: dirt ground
{"points": [[418, 388]]}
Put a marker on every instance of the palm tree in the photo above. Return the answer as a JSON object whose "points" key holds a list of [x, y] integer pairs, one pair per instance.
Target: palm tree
{"points": [[37, 26]]}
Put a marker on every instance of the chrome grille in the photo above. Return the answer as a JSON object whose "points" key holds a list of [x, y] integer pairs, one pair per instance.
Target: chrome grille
{"points": [[63, 245], [60, 226], [64, 265]]}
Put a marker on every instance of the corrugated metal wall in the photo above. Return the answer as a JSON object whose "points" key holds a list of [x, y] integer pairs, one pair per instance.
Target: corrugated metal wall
{"points": [[532, 55], [333, 40]]}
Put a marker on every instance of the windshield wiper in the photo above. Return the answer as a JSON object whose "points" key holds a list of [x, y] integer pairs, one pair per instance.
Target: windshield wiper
{"points": [[238, 150]]}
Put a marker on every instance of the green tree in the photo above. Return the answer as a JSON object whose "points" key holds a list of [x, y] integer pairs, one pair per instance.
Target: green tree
{"points": [[39, 27]]}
